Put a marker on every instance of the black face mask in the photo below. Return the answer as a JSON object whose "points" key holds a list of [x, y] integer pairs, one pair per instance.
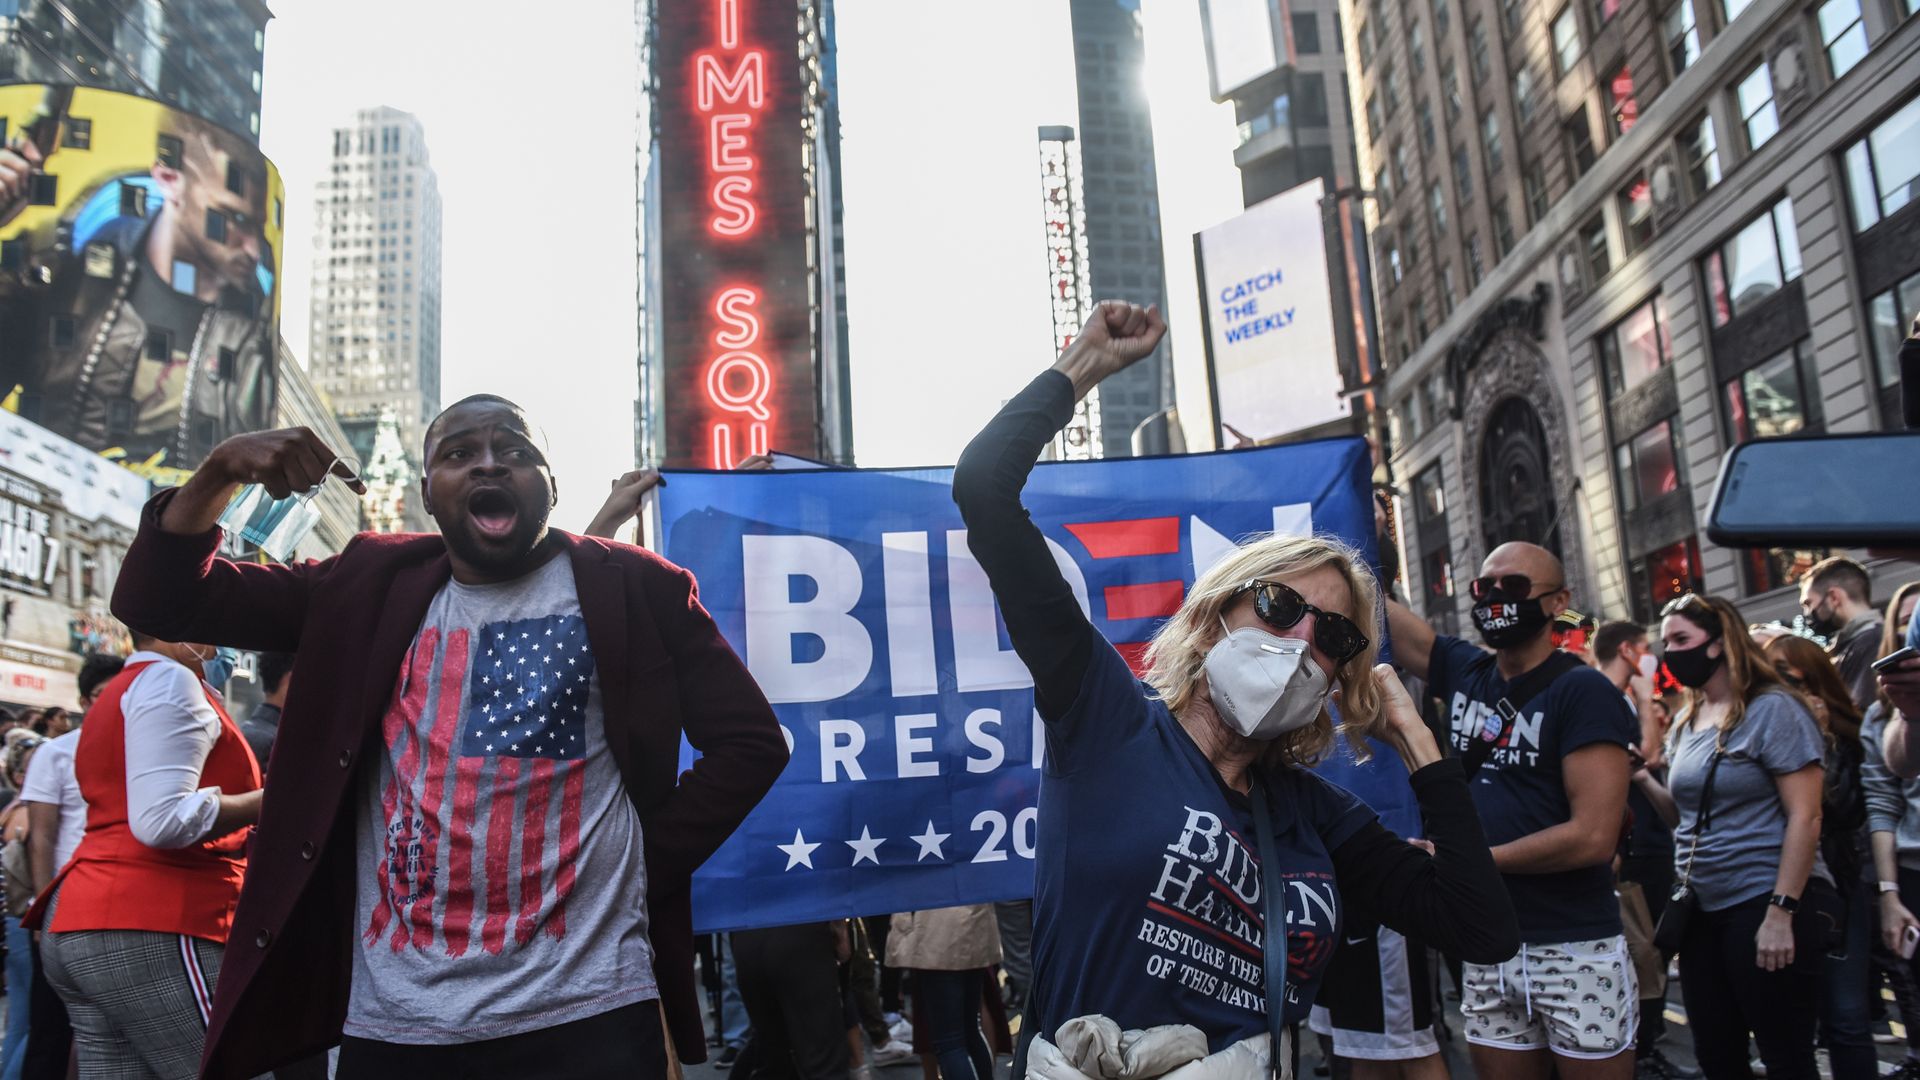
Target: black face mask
{"points": [[1825, 625], [1504, 624], [1693, 667]]}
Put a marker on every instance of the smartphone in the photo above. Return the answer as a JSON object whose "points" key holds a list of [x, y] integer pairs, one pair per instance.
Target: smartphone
{"points": [[1896, 658], [1833, 490], [1908, 941]]}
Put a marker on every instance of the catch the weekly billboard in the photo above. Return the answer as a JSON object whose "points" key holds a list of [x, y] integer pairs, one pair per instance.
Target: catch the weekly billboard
{"points": [[736, 321], [139, 266]]}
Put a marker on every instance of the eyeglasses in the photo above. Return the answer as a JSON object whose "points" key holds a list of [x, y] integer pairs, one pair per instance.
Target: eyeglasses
{"points": [[1511, 586], [1280, 607]]}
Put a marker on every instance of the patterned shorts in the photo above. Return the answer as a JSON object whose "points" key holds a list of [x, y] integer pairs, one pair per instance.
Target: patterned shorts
{"points": [[1578, 999]]}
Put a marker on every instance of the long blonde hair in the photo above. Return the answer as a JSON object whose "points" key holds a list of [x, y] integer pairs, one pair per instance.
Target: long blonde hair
{"points": [[1179, 650]]}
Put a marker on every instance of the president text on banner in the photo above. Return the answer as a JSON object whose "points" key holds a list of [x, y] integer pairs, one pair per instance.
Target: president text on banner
{"points": [[857, 605]]}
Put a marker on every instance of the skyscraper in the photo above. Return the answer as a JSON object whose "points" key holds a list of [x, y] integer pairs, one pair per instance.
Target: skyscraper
{"points": [[375, 330], [1122, 205], [199, 56]]}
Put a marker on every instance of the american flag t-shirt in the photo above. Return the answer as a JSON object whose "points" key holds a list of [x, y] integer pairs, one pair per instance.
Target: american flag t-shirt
{"points": [[496, 798]]}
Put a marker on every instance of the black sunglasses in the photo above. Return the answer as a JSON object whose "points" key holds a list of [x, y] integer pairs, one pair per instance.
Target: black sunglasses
{"points": [[1510, 586], [1282, 608], [1696, 609]]}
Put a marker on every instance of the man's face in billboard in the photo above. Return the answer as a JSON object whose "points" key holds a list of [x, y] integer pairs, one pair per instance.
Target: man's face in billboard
{"points": [[205, 207]]}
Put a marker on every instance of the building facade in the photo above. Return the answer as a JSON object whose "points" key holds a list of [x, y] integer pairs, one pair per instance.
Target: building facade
{"points": [[1614, 239], [1122, 207], [299, 404], [198, 56], [374, 329]]}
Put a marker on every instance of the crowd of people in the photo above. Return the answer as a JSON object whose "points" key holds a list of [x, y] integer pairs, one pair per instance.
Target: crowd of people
{"points": [[475, 854]]}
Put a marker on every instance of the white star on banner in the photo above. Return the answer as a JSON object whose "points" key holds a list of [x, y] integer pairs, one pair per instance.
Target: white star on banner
{"points": [[799, 853], [867, 847], [930, 842]]}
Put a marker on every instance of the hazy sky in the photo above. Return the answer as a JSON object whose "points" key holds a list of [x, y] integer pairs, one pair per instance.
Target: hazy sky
{"points": [[530, 125]]}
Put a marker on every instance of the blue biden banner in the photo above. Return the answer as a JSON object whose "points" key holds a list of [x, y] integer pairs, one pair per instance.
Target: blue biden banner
{"points": [[857, 605]]}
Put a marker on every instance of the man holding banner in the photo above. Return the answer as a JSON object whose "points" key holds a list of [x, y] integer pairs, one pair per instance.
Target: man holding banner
{"points": [[1205, 764]]}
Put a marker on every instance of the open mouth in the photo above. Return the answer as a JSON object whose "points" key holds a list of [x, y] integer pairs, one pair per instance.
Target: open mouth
{"points": [[493, 512]]}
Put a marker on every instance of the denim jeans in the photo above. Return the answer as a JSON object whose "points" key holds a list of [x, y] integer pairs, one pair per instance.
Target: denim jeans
{"points": [[734, 1029], [1846, 981], [947, 1010], [13, 1051]]}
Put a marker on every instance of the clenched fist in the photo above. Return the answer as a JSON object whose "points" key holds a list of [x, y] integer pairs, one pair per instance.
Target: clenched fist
{"points": [[1117, 336]]}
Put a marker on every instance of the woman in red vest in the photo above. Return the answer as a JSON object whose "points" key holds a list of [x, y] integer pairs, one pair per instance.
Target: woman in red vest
{"points": [[137, 920]]}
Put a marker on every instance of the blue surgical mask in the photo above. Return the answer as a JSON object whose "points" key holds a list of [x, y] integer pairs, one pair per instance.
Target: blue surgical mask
{"points": [[220, 669]]}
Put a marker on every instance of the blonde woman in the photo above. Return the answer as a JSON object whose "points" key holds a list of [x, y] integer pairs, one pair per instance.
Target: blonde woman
{"points": [[1149, 904]]}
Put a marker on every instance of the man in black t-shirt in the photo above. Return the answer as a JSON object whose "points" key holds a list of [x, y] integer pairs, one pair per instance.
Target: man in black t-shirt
{"points": [[1551, 793]]}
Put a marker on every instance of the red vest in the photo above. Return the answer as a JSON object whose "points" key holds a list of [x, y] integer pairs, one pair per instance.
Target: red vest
{"points": [[115, 882]]}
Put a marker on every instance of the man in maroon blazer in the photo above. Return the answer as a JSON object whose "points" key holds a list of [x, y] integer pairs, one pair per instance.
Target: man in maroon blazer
{"points": [[481, 742]]}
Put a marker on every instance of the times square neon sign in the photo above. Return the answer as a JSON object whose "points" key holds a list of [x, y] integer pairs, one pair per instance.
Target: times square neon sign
{"points": [[730, 92]]}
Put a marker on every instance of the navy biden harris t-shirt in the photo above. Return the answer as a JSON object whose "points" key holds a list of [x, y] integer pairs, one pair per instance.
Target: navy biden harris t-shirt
{"points": [[1147, 901], [1520, 789]]}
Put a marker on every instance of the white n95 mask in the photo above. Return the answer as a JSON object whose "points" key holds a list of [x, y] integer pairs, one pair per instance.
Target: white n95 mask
{"points": [[1264, 685]]}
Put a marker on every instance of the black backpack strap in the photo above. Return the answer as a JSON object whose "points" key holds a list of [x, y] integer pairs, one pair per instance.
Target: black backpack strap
{"points": [[1519, 692], [1273, 905]]}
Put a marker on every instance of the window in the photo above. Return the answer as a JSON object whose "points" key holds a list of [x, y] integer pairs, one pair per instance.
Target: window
{"points": [[159, 346], [1462, 175], [1733, 8], [1889, 315], [1620, 102], [1376, 120], [1393, 264], [216, 226], [1450, 87], [1364, 36], [1511, 11], [1682, 34], [1437, 209], [1436, 561], [1402, 179], [1309, 99], [1424, 112], [1383, 190], [1476, 266], [1442, 18], [1636, 347], [1306, 33], [1449, 294], [1604, 11], [1755, 95], [133, 201], [1534, 183], [1883, 169], [1754, 263], [1477, 50], [1660, 576], [1593, 244], [1417, 47], [1390, 85], [76, 134], [1566, 40], [1778, 396], [1579, 143], [1702, 154], [1647, 466], [1502, 230], [1636, 214], [1523, 95], [1842, 34]]}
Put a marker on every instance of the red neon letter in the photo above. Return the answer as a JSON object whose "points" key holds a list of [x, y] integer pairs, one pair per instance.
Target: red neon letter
{"points": [[752, 399], [727, 140], [748, 80], [730, 197], [735, 308], [730, 24]]}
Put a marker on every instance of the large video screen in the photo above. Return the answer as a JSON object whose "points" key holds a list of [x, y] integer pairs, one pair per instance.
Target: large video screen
{"points": [[139, 273]]}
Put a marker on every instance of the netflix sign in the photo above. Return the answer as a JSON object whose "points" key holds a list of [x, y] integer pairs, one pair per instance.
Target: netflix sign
{"points": [[736, 366]]}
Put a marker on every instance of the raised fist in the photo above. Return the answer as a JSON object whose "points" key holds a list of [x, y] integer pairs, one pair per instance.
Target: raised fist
{"points": [[1117, 336]]}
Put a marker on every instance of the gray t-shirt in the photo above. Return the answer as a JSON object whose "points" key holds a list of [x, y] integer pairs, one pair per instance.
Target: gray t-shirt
{"points": [[1739, 856], [501, 882]]}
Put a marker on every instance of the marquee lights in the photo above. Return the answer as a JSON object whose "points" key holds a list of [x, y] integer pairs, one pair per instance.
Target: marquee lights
{"points": [[730, 90]]}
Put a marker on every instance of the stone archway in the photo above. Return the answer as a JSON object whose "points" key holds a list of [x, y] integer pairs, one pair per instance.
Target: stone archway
{"points": [[1516, 433]]}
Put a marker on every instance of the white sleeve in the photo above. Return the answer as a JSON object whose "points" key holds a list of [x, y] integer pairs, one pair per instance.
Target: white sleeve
{"points": [[43, 780], [170, 729]]}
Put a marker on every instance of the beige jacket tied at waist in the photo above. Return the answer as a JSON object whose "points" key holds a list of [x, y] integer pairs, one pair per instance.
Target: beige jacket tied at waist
{"points": [[945, 939], [1094, 1048]]}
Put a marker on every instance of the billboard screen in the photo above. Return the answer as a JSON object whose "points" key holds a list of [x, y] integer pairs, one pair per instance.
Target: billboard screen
{"points": [[1266, 300], [736, 347], [139, 265], [1240, 43]]}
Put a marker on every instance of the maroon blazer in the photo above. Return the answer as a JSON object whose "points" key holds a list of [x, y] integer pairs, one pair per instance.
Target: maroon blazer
{"points": [[665, 672]]}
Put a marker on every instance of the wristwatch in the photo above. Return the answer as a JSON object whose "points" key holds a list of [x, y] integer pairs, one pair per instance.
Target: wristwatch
{"points": [[1889, 887], [1788, 904]]}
